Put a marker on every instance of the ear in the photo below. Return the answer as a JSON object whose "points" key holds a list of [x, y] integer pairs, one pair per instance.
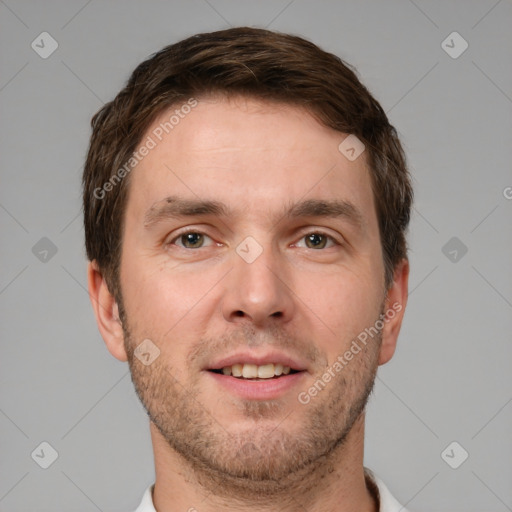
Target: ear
{"points": [[106, 312], [396, 300]]}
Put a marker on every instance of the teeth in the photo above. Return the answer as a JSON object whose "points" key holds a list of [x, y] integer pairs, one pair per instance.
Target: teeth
{"points": [[266, 371], [249, 371], [236, 370], [253, 371]]}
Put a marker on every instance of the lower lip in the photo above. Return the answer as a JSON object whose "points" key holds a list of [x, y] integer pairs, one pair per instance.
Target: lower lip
{"points": [[258, 389]]}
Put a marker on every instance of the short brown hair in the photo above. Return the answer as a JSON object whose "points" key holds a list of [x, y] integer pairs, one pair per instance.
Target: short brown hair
{"points": [[246, 61]]}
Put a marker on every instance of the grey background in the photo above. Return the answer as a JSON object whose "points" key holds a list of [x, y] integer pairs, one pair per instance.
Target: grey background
{"points": [[450, 379]]}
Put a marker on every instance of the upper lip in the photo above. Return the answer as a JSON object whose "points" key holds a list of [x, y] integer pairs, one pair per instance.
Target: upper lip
{"points": [[268, 357]]}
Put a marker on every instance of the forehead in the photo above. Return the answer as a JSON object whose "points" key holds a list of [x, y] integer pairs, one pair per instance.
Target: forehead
{"points": [[251, 154]]}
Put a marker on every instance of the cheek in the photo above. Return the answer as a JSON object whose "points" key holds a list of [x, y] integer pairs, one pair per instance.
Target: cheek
{"points": [[341, 305], [163, 301]]}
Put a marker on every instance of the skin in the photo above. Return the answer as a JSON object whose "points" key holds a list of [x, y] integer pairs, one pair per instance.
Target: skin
{"points": [[214, 450]]}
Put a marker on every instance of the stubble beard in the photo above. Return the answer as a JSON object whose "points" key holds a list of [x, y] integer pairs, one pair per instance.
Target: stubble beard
{"points": [[265, 458]]}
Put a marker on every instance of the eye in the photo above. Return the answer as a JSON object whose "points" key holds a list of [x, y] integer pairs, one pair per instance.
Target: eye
{"points": [[191, 240], [197, 240], [318, 240]]}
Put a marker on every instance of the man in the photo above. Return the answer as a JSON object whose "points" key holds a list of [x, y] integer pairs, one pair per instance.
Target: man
{"points": [[246, 202]]}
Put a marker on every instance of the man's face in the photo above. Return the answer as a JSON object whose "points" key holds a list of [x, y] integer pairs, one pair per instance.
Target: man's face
{"points": [[275, 278]]}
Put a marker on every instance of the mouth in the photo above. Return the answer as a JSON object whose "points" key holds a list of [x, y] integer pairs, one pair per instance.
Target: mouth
{"points": [[254, 372], [263, 375]]}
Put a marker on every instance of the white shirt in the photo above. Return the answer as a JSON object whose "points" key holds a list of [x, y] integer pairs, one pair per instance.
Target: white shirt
{"points": [[387, 502]]}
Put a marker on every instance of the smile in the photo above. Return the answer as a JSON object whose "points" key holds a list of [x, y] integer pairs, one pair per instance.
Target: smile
{"points": [[253, 371]]}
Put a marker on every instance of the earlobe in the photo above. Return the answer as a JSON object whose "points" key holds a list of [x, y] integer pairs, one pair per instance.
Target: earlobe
{"points": [[106, 311], [396, 301]]}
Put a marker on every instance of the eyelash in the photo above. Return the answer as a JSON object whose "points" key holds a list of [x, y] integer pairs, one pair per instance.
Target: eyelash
{"points": [[197, 232]]}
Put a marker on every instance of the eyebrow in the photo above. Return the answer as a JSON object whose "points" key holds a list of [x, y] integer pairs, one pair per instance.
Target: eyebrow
{"points": [[174, 207]]}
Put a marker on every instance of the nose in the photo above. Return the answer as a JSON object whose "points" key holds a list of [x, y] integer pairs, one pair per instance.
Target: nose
{"points": [[258, 289]]}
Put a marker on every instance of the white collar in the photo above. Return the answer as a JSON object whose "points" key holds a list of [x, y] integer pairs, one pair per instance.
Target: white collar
{"points": [[387, 502]]}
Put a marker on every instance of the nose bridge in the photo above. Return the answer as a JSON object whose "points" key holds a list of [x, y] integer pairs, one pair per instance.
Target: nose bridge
{"points": [[256, 289]]}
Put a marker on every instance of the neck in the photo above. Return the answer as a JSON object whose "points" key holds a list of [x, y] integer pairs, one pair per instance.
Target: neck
{"points": [[334, 483]]}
